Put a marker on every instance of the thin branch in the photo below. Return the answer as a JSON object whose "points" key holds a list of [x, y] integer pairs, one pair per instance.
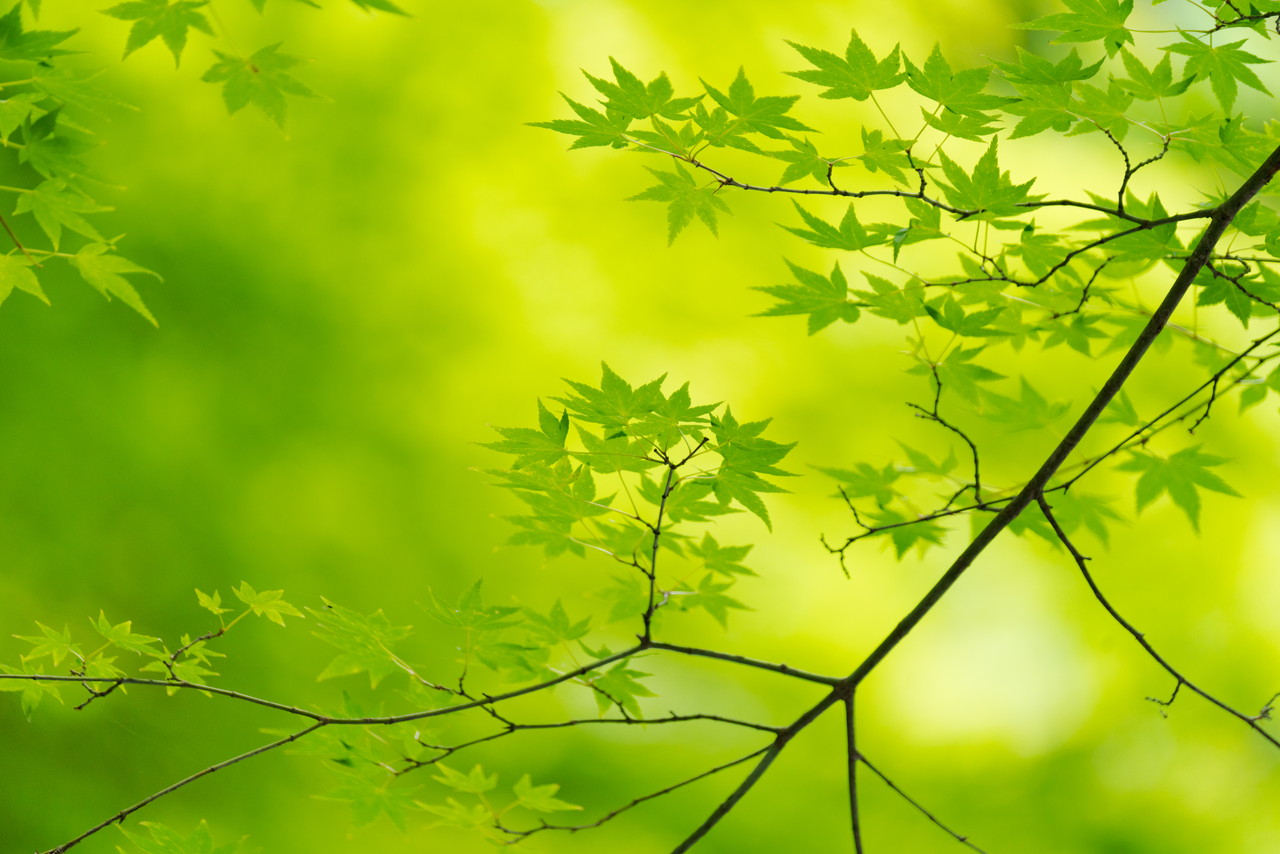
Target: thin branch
{"points": [[1081, 561], [521, 834], [784, 669], [852, 758], [127, 811], [963, 840]]}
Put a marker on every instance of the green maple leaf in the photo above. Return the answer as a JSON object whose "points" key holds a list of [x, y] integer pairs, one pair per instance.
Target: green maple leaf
{"points": [[1151, 84], [17, 45], [470, 612], [685, 199], [1181, 475], [366, 642], [162, 19], [804, 160], [103, 271], [164, 840], [921, 534], [52, 644], [620, 687], [885, 299], [850, 235], [555, 626], [369, 796], [1077, 332], [888, 155], [544, 445], [959, 373], [672, 420], [614, 404], [1107, 109], [540, 798], [268, 603], [1042, 108], [947, 312], [987, 191], [824, 298], [1031, 69], [123, 636], [960, 125], [745, 457], [262, 80], [765, 115], [1089, 21], [1077, 510], [710, 597], [1029, 411], [688, 500], [31, 691], [959, 92], [726, 560], [631, 97], [1219, 289], [593, 128], [866, 481], [1225, 66], [855, 75], [54, 205], [15, 274]]}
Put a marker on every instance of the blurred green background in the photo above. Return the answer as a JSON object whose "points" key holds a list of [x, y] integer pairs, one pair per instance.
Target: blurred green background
{"points": [[344, 310]]}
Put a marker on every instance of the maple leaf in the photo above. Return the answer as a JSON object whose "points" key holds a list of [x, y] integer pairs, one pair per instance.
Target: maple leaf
{"points": [[1089, 21], [1181, 475], [986, 190], [824, 298], [856, 75], [1225, 66], [103, 271], [17, 45], [765, 116], [55, 206], [850, 235], [164, 840], [162, 19], [631, 97], [594, 128], [959, 92], [685, 199], [15, 274], [262, 80]]}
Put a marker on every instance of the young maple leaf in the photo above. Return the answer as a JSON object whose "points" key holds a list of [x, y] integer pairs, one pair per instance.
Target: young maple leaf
{"points": [[17, 45], [825, 299], [262, 80], [1181, 475], [161, 19], [103, 271], [54, 205], [686, 199], [1090, 21], [856, 76], [1224, 65], [988, 191], [764, 115]]}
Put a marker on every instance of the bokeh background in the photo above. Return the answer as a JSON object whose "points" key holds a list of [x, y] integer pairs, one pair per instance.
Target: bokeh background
{"points": [[347, 306]]}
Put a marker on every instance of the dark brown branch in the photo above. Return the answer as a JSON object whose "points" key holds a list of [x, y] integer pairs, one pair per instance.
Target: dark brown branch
{"points": [[963, 840], [852, 758], [186, 781], [1180, 680], [783, 669]]}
